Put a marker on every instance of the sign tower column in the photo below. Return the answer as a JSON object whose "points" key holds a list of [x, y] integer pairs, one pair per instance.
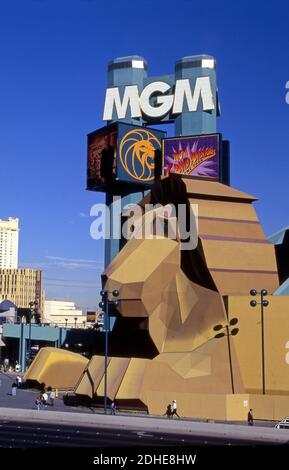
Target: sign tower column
{"points": [[122, 72]]}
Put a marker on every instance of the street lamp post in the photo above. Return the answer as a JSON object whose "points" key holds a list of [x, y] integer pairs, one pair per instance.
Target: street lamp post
{"points": [[32, 311], [75, 320], [104, 304], [263, 303], [228, 333], [66, 320], [29, 340]]}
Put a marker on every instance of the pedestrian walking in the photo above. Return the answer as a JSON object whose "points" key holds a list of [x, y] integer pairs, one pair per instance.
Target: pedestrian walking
{"points": [[112, 408], [250, 418], [44, 399], [19, 381], [168, 412], [51, 397], [38, 403], [14, 389], [174, 408]]}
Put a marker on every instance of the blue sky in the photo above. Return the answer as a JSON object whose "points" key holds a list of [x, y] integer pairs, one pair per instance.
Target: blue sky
{"points": [[53, 63]]}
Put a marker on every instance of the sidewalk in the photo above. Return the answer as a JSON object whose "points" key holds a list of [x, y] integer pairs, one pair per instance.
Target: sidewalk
{"points": [[24, 405], [25, 398], [258, 435]]}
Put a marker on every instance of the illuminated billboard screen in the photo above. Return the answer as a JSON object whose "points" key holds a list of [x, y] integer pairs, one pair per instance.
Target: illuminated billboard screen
{"points": [[123, 153], [138, 150], [101, 157], [192, 155], [91, 317]]}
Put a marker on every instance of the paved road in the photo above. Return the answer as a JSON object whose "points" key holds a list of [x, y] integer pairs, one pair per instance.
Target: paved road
{"points": [[17, 434], [123, 430]]}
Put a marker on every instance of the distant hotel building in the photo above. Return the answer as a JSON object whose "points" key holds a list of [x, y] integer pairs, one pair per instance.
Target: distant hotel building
{"points": [[22, 286], [63, 313], [9, 234]]}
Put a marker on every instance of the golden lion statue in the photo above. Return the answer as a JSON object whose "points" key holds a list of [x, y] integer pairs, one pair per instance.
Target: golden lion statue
{"points": [[163, 345]]}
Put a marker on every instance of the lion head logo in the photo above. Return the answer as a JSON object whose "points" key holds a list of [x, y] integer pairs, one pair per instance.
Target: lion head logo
{"points": [[137, 154]]}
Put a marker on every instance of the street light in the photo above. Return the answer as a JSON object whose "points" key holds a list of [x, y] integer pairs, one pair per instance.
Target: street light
{"points": [[263, 303], [66, 320], [104, 305], [32, 312], [228, 333], [75, 320]]}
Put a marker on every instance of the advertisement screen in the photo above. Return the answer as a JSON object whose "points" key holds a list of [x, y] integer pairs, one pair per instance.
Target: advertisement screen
{"points": [[138, 151], [192, 155], [125, 153], [101, 157], [91, 317]]}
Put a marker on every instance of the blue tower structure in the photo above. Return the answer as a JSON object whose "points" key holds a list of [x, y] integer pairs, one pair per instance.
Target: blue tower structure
{"points": [[124, 71], [199, 122]]}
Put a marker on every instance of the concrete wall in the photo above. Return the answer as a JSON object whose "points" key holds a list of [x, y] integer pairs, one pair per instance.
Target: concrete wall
{"points": [[220, 406]]}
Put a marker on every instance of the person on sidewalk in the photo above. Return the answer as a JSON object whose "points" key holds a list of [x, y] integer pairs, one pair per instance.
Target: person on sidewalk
{"points": [[51, 397], [38, 403], [112, 408], [44, 399], [14, 389], [174, 408], [168, 412], [250, 418]]}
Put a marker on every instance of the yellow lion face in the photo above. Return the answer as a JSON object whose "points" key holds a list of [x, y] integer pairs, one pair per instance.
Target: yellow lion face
{"points": [[137, 154]]}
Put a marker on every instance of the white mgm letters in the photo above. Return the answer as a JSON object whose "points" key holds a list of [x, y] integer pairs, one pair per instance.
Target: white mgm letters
{"points": [[141, 104]]}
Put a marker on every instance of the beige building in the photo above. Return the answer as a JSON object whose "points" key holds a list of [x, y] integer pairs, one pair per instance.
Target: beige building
{"points": [[63, 313], [9, 234], [22, 286]]}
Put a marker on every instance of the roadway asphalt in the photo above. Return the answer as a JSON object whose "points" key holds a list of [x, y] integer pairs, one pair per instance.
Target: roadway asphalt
{"points": [[123, 430], [38, 443], [19, 434]]}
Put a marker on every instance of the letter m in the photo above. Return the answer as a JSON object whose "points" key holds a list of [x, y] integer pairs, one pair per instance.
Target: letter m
{"points": [[130, 98]]}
